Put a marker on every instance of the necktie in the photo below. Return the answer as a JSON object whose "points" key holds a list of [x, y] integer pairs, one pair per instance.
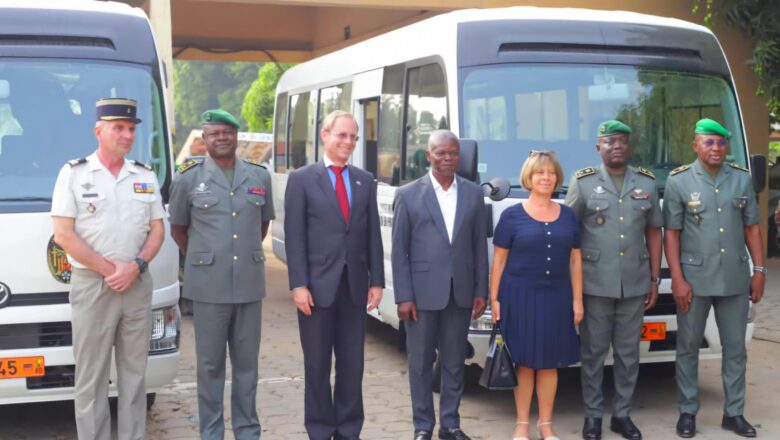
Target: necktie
{"points": [[341, 191]]}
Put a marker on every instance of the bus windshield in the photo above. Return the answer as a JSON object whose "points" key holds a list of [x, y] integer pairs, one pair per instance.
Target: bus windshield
{"points": [[513, 109], [47, 117]]}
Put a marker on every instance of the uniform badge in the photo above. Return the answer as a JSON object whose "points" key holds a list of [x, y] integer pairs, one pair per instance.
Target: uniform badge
{"points": [[637, 194], [256, 191], [91, 208], [201, 187], [89, 195], [143, 188], [57, 260], [598, 190], [87, 186], [695, 196]]}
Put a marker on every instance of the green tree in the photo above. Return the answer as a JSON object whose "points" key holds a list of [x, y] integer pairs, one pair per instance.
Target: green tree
{"points": [[760, 21], [258, 107], [201, 85]]}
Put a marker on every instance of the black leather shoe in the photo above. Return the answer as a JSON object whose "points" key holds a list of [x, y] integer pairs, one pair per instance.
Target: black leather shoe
{"points": [[421, 434], [591, 429], [452, 434], [686, 425], [625, 427], [739, 425]]}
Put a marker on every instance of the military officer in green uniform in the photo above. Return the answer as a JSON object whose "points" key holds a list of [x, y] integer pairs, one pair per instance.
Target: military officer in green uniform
{"points": [[620, 224], [711, 214], [220, 210]]}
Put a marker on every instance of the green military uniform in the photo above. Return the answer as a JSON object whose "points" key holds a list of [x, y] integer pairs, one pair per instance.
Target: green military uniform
{"points": [[711, 213], [616, 273], [224, 276]]}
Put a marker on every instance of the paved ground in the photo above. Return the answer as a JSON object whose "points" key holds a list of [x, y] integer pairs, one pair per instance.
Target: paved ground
{"points": [[485, 415]]}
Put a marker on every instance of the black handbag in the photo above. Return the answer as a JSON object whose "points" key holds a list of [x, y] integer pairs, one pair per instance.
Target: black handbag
{"points": [[499, 372]]}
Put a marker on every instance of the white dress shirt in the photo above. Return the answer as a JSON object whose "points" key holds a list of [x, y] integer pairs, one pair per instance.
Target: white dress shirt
{"points": [[448, 202]]}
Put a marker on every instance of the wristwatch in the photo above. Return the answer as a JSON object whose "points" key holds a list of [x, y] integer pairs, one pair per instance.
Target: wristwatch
{"points": [[142, 264], [655, 280], [761, 269]]}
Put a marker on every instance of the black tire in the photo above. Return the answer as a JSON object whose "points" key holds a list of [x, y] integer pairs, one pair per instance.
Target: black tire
{"points": [[150, 398]]}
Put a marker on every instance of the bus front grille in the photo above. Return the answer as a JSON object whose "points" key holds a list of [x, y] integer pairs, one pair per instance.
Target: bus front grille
{"points": [[37, 335]]}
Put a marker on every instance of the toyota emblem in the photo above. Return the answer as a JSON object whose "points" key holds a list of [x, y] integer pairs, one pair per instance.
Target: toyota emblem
{"points": [[5, 295]]}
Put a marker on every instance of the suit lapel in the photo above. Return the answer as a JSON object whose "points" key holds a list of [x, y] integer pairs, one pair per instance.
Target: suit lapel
{"points": [[432, 203], [323, 181], [460, 210], [355, 187]]}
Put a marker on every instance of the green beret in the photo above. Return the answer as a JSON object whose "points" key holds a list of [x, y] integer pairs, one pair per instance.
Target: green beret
{"points": [[218, 116], [608, 128], [708, 126]]}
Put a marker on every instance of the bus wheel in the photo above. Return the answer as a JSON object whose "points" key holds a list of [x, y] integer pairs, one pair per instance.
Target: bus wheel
{"points": [[150, 398]]}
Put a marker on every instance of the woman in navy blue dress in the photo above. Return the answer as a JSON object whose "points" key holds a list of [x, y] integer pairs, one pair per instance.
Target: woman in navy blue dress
{"points": [[536, 289]]}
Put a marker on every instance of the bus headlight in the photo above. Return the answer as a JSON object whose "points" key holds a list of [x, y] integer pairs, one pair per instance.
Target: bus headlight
{"points": [[165, 330], [483, 324]]}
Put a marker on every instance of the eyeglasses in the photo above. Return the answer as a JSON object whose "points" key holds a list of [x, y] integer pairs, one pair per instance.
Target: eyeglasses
{"points": [[722, 143], [344, 136], [541, 153]]}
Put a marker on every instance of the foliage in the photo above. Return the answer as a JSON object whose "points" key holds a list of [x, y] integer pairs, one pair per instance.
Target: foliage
{"points": [[201, 85], [258, 106], [760, 21]]}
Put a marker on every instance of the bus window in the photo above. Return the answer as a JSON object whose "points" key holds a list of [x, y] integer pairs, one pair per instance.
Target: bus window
{"points": [[301, 146], [388, 160], [426, 111], [280, 134], [542, 116]]}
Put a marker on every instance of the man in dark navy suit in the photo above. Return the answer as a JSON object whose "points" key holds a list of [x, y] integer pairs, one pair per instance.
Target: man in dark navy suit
{"points": [[336, 270]]}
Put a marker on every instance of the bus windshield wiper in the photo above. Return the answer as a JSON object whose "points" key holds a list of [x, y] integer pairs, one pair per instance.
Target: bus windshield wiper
{"points": [[25, 199]]}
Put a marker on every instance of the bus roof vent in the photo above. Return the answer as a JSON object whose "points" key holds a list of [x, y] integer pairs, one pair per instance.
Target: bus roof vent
{"points": [[55, 40], [507, 48]]}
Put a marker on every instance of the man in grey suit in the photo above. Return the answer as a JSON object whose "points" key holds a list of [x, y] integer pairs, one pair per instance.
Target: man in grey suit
{"points": [[336, 269], [620, 224], [440, 274], [220, 210]]}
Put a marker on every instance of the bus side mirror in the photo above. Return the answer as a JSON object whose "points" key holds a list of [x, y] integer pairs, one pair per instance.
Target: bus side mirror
{"points": [[758, 172], [468, 160], [497, 189]]}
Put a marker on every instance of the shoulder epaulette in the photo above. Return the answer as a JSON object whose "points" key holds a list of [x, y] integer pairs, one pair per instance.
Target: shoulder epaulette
{"points": [[645, 172], [252, 162], [78, 161], [737, 166], [585, 172], [141, 164], [679, 170], [188, 164]]}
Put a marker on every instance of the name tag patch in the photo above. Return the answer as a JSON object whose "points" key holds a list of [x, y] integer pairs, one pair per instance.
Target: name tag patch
{"points": [[89, 195], [143, 188], [256, 191]]}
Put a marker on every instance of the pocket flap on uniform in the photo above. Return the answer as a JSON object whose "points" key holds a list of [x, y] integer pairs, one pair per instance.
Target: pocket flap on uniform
{"points": [[739, 202], [205, 202], [597, 204], [690, 259], [420, 266], [255, 199], [201, 258], [642, 205], [590, 254], [695, 206], [258, 256]]}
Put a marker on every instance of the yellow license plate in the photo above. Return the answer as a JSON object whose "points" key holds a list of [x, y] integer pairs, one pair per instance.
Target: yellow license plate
{"points": [[16, 367], [654, 331]]}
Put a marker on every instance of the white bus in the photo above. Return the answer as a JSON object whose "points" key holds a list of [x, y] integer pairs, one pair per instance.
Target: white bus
{"points": [[56, 60], [513, 80]]}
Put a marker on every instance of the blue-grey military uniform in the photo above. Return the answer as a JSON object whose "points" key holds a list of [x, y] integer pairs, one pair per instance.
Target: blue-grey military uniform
{"points": [[224, 276], [711, 213], [616, 276]]}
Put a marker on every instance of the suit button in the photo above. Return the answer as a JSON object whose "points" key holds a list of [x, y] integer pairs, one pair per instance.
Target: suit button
{"points": [[622, 236], [205, 205], [235, 236], [719, 210], [549, 233], [547, 272], [621, 218], [621, 254], [548, 258], [717, 190], [722, 251], [235, 257], [620, 201], [231, 193], [721, 230], [234, 213]]}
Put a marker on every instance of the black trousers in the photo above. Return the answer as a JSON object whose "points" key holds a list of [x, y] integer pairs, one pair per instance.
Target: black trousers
{"points": [[338, 330]]}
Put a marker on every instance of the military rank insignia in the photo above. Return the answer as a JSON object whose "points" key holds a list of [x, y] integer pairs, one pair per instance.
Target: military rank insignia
{"points": [[143, 188], [256, 191], [638, 194]]}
